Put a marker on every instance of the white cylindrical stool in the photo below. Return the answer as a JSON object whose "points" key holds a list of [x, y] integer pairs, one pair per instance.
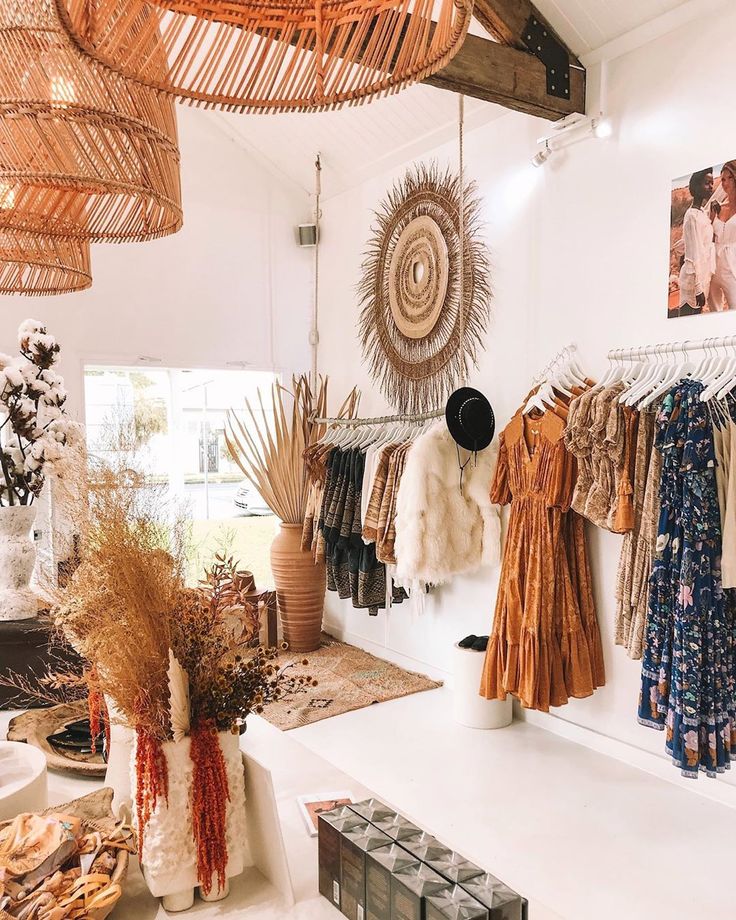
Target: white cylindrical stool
{"points": [[470, 708], [23, 785]]}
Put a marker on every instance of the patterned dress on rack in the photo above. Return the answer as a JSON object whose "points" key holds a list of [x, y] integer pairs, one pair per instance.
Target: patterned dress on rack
{"points": [[545, 645], [688, 675]]}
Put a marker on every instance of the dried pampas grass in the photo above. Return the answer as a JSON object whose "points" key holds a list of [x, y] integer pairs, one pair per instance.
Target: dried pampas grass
{"points": [[167, 655], [116, 608]]}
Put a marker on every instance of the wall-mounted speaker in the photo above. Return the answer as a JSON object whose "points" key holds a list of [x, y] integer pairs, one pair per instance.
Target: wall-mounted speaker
{"points": [[307, 234]]}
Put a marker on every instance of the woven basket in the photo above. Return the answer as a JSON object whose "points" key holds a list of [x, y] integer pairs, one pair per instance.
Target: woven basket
{"points": [[32, 264], [95, 812], [83, 152], [255, 56]]}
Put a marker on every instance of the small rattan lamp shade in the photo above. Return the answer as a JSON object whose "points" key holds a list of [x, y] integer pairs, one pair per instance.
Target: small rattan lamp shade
{"points": [[84, 153], [32, 264], [277, 55]]}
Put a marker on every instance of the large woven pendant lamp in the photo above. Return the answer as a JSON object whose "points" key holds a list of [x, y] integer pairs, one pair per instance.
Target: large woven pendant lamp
{"points": [[271, 55], [84, 153], [32, 264]]}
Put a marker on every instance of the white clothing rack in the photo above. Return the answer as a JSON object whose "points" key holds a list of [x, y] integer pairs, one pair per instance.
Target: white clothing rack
{"points": [[674, 348], [380, 420]]}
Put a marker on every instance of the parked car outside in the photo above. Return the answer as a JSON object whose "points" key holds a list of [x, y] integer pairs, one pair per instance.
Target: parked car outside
{"points": [[248, 500]]}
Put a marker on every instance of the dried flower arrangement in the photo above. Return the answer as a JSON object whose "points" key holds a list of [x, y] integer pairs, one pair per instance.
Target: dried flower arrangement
{"points": [[168, 655], [35, 427], [272, 457]]}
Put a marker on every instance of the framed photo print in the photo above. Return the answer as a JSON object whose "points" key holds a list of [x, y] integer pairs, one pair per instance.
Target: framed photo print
{"points": [[702, 270]]}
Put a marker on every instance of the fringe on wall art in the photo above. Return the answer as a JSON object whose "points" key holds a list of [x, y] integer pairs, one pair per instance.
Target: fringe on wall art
{"points": [[416, 339]]}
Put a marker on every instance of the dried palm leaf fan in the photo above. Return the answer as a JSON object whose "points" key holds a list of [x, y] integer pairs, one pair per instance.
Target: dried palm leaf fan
{"points": [[33, 264], [423, 260], [270, 452], [83, 152], [272, 55]]}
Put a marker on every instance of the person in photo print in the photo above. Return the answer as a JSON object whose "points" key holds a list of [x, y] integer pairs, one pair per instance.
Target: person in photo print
{"points": [[715, 218], [700, 254], [724, 279]]}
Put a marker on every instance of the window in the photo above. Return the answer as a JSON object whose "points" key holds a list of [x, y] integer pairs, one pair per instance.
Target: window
{"points": [[171, 424]]}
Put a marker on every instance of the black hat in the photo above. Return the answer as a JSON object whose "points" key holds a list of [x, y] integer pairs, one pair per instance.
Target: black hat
{"points": [[470, 419]]}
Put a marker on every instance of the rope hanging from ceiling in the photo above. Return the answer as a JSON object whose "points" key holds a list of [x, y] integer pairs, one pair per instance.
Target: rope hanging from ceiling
{"points": [[278, 55]]}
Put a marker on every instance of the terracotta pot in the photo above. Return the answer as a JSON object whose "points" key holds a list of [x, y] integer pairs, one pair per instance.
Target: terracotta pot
{"points": [[17, 559], [300, 589]]}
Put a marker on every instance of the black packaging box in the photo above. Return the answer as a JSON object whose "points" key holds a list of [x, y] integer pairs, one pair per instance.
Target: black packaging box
{"points": [[455, 904], [454, 867], [410, 888], [425, 847], [372, 810], [380, 865], [398, 828], [330, 826], [501, 901], [354, 845]]}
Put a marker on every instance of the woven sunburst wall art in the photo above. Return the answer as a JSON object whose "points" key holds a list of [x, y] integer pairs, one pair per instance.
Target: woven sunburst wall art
{"points": [[415, 340]]}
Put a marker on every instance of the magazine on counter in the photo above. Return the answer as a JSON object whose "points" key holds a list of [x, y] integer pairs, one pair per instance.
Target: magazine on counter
{"points": [[312, 806]]}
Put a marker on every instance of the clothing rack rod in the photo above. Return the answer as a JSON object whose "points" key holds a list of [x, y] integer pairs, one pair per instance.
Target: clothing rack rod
{"points": [[380, 420], [642, 351]]}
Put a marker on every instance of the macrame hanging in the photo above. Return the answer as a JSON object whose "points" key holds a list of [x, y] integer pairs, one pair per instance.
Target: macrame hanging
{"points": [[271, 55], [425, 290], [32, 264], [83, 153]]}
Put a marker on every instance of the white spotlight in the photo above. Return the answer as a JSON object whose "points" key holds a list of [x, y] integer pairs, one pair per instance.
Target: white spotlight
{"points": [[602, 128], [541, 156]]}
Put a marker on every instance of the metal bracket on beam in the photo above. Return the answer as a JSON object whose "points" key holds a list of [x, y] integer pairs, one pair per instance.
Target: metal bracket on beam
{"points": [[552, 53]]}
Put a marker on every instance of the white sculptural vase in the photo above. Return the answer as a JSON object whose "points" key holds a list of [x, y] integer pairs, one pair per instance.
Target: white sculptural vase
{"points": [[118, 776], [17, 559], [169, 857]]}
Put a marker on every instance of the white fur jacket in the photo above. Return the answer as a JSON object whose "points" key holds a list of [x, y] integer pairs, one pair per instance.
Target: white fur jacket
{"points": [[441, 531]]}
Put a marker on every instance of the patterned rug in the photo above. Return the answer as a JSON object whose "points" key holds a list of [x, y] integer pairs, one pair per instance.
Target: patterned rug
{"points": [[348, 678]]}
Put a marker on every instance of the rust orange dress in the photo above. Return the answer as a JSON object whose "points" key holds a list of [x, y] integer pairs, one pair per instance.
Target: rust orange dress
{"points": [[545, 646]]}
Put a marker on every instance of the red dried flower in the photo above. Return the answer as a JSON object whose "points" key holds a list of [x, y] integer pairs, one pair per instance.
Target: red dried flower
{"points": [[210, 795]]}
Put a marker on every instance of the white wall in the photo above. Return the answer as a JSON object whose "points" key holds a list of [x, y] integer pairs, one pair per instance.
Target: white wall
{"points": [[230, 286], [580, 250], [464, 605]]}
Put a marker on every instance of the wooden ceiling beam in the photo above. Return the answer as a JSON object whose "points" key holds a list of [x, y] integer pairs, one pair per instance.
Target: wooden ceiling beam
{"points": [[509, 77], [506, 21]]}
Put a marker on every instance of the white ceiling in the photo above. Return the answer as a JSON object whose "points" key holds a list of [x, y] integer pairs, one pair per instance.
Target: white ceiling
{"points": [[587, 24], [356, 143]]}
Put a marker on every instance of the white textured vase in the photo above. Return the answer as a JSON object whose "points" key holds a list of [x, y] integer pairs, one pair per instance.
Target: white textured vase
{"points": [[17, 559], [169, 857]]}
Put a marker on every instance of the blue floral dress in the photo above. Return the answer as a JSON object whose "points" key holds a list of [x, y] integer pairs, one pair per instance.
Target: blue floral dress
{"points": [[688, 676]]}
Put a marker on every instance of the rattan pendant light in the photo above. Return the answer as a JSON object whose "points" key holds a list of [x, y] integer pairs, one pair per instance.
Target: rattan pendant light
{"points": [[32, 264], [271, 55], [84, 153]]}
